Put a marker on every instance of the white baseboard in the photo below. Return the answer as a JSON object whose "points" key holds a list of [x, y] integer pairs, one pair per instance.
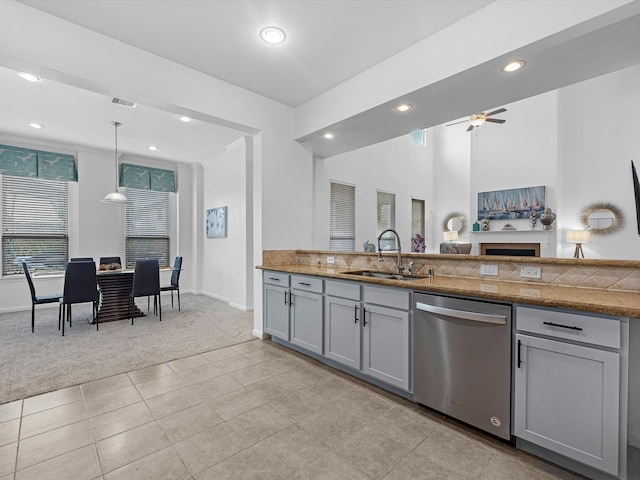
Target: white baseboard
{"points": [[244, 308], [260, 334]]}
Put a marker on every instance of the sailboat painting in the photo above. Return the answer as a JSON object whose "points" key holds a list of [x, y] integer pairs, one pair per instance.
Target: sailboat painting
{"points": [[510, 204]]}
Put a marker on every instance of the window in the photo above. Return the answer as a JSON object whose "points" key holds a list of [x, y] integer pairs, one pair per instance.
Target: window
{"points": [[342, 231], [148, 226], [386, 217], [35, 226], [417, 225]]}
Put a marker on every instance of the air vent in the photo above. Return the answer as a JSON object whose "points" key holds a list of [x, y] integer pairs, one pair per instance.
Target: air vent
{"points": [[124, 103]]}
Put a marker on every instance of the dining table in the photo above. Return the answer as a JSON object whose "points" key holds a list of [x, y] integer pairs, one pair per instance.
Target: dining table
{"points": [[115, 287]]}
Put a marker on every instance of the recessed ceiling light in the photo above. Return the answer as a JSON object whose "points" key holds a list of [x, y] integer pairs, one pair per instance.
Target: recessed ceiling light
{"points": [[328, 135], [273, 35], [513, 66], [153, 148], [184, 118], [36, 125], [29, 77], [404, 107]]}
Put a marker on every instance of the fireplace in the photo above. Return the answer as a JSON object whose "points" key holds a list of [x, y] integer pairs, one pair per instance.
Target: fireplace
{"points": [[511, 249]]}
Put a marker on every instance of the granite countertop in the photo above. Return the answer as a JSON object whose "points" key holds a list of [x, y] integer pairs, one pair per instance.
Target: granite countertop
{"points": [[610, 302]]}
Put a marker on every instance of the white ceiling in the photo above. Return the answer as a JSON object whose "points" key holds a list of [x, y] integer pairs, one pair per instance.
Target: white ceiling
{"points": [[328, 41], [77, 117], [220, 38]]}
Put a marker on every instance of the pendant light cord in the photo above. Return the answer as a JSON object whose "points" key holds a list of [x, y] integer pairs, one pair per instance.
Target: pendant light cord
{"points": [[116, 124]]}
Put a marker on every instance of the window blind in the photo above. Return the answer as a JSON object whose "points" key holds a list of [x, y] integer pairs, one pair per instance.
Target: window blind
{"points": [[386, 218], [148, 226], [35, 224], [342, 230]]}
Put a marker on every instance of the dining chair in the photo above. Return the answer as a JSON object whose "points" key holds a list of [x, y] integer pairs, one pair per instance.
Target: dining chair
{"points": [[37, 299], [80, 286], [146, 282], [175, 281]]}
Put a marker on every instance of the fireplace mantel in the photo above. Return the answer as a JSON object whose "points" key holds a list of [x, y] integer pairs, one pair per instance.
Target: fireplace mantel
{"points": [[546, 239]]}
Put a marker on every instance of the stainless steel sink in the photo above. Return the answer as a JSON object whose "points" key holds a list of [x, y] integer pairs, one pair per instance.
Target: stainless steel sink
{"points": [[391, 276]]}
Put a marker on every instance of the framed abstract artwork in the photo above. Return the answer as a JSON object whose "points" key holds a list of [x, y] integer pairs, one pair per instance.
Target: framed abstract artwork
{"points": [[217, 222], [509, 204]]}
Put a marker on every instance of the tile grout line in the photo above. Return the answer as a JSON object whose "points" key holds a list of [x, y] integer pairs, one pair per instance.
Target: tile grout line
{"points": [[93, 439]]}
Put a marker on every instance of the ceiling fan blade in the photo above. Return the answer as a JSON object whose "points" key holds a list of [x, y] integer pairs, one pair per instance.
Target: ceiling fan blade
{"points": [[470, 128], [455, 123], [500, 110], [495, 120]]}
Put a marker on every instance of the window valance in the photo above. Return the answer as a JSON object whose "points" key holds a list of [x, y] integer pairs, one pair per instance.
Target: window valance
{"points": [[25, 162], [147, 178]]}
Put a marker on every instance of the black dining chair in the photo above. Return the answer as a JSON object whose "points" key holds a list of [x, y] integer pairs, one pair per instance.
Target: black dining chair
{"points": [[146, 283], [175, 281], [80, 286], [37, 299]]}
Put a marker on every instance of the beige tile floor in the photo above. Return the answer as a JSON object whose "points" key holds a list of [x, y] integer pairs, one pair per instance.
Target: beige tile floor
{"points": [[250, 411]]}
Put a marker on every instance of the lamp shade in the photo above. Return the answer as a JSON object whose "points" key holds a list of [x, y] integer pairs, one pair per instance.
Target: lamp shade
{"points": [[578, 236], [450, 236], [114, 197]]}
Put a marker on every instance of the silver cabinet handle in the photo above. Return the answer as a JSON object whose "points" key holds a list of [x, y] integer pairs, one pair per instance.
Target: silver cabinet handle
{"points": [[462, 314]]}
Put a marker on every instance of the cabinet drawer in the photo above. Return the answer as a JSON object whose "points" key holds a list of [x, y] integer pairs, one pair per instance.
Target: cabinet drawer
{"points": [[573, 326], [310, 284], [349, 290], [275, 278], [388, 297]]}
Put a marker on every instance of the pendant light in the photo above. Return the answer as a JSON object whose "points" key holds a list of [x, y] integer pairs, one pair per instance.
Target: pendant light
{"points": [[115, 196]]}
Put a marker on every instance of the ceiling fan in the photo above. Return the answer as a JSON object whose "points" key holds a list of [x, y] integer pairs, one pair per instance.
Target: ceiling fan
{"points": [[479, 118]]}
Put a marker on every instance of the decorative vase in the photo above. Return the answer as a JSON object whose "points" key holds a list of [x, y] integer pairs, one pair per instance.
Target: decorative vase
{"points": [[547, 218], [533, 219]]}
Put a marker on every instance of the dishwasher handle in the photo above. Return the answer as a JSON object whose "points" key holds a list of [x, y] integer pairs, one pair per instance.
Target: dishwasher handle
{"points": [[462, 314]]}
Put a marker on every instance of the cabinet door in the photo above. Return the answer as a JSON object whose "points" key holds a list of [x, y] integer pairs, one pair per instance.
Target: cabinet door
{"points": [[276, 311], [342, 331], [306, 320], [567, 398], [386, 345]]}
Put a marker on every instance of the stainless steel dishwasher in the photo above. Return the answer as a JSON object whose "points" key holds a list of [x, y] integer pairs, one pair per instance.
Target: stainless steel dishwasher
{"points": [[463, 360]]}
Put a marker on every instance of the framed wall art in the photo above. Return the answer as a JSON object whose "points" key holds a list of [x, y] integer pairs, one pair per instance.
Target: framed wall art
{"points": [[217, 222], [509, 204]]}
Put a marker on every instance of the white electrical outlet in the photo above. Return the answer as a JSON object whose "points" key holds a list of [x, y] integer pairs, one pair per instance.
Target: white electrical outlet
{"points": [[488, 269], [531, 272], [331, 260]]}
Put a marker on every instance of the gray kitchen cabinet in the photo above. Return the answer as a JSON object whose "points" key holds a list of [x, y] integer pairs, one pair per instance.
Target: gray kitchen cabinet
{"points": [[342, 331], [386, 340], [305, 302], [567, 385], [276, 304]]}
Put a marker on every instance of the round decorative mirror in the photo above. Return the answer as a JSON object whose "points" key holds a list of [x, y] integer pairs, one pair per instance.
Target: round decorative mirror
{"points": [[601, 218], [454, 222]]}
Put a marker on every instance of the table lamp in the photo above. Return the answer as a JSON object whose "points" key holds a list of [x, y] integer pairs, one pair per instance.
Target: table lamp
{"points": [[450, 236], [578, 237]]}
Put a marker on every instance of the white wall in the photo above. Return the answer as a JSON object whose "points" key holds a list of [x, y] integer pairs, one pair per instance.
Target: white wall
{"points": [[598, 138], [224, 260], [452, 187], [398, 166]]}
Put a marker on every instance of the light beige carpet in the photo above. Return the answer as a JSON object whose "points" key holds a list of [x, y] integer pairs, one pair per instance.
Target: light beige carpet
{"points": [[33, 363]]}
